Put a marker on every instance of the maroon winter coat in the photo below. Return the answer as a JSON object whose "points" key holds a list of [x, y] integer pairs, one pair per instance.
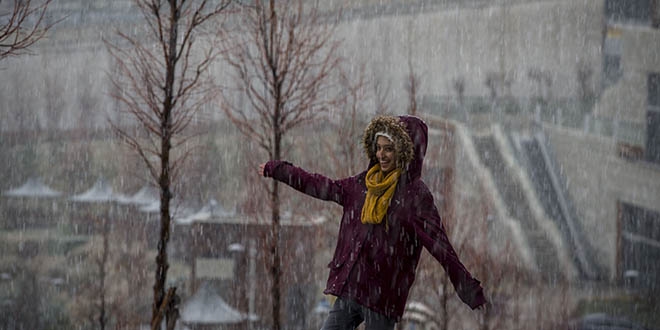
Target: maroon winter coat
{"points": [[375, 266]]}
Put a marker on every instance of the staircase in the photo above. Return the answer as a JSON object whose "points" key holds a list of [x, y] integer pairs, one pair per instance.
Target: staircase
{"points": [[545, 178], [512, 193]]}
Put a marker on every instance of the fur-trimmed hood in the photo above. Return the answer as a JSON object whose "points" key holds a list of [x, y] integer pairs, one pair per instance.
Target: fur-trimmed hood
{"points": [[410, 135]]}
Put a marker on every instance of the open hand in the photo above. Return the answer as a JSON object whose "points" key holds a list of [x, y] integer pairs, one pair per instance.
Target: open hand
{"points": [[485, 308]]}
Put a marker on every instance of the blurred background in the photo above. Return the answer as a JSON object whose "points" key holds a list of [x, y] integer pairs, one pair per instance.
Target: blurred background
{"points": [[543, 157]]}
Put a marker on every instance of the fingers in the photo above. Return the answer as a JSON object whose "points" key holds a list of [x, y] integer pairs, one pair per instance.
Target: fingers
{"points": [[484, 308], [261, 169]]}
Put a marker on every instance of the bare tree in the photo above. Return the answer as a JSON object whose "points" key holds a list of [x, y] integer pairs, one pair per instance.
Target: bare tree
{"points": [[87, 99], [282, 61], [381, 95], [109, 291], [494, 82], [458, 84], [412, 81], [53, 94], [441, 181], [22, 26], [543, 81], [101, 262], [346, 151], [162, 83], [585, 92], [412, 86], [504, 280], [18, 112]]}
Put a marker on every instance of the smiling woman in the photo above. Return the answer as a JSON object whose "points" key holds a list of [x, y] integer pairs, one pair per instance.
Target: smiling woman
{"points": [[385, 153], [388, 216], [389, 129]]}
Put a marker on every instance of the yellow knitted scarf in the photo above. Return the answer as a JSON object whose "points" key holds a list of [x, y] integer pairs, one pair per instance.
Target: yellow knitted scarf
{"points": [[379, 193]]}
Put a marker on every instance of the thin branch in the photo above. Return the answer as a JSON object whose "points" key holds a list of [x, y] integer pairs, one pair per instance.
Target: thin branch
{"points": [[17, 35]]}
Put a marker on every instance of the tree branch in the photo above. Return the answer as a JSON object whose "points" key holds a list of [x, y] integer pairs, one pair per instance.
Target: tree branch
{"points": [[17, 35]]}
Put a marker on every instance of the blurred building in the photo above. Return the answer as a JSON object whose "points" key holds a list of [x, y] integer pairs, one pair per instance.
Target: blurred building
{"points": [[230, 253], [219, 260], [558, 100], [547, 114], [553, 108]]}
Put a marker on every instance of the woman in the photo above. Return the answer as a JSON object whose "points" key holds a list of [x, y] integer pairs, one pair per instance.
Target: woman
{"points": [[389, 215]]}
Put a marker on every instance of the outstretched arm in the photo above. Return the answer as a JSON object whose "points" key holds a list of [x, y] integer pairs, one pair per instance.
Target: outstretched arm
{"points": [[312, 184], [431, 232]]}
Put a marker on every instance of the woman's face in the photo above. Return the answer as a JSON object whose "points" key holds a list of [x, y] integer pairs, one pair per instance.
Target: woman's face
{"points": [[386, 154]]}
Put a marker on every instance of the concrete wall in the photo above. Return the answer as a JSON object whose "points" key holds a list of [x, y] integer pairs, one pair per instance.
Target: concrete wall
{"points": [[627, 99], [551, 36], [55, 90], [443, 41], [597, 179]]}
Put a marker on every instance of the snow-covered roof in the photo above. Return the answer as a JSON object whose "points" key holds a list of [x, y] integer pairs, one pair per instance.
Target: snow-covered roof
{"points": [[323, 307], [151, 207], [214, 213], [145, 196], [605, 322], [33, 187], [207, 307], [163, 326], [418, 312], [311, 220], [101, 191], [176, 211], [236, 247], [209, 211]]}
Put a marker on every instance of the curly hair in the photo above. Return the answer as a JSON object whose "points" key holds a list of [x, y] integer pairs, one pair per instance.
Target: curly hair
{"points": [[396, 129]]}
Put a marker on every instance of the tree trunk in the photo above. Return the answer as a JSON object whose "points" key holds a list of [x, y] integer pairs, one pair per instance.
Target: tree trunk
{"points": [[444, 302], [162, 264], [102, 270], [275, 236], [275, 198], [165, 179], [275, 252]]}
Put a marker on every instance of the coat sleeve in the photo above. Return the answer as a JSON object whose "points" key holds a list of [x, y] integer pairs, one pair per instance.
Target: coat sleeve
{"points": [[312, 184], [431, 233]]}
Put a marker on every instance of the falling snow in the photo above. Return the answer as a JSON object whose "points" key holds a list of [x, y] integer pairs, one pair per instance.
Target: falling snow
{"points": [[543, 161]]}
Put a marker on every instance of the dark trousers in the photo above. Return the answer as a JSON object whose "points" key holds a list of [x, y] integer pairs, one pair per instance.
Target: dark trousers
{"points": [[348, 315]]}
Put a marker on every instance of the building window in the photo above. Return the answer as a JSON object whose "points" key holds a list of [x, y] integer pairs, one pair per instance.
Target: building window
{"points": [[640, 246], [611, 70], [612, 51], [655, 14], [653, 119], [654, 91], [635, 11]]}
